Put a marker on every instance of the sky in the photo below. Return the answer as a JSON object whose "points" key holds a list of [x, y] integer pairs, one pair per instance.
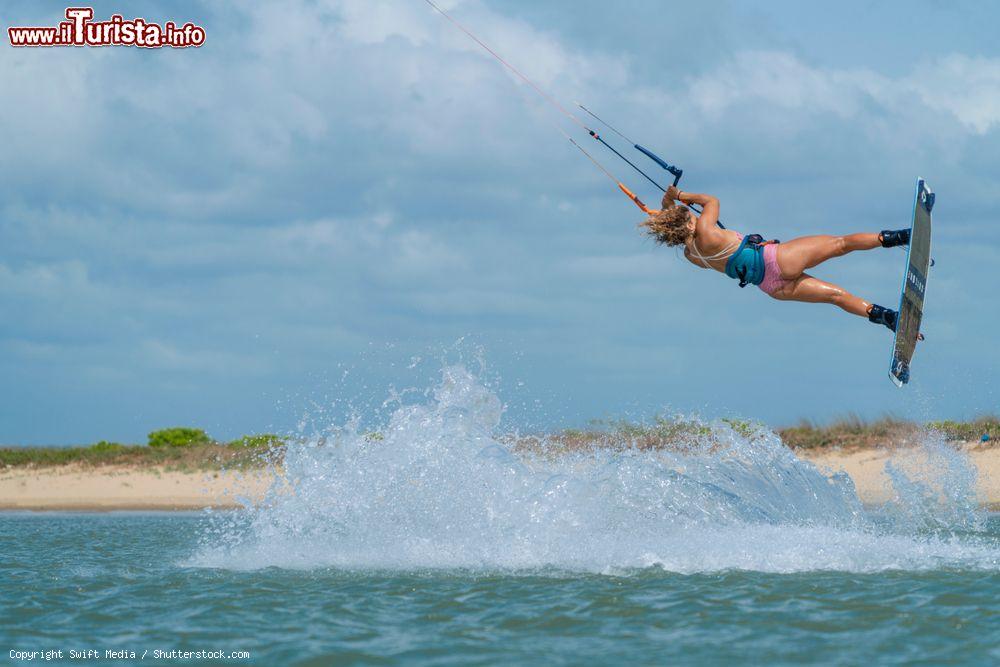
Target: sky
{"points": [[330, 200]]}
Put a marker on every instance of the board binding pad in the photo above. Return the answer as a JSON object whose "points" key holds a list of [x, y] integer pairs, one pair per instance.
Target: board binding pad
{"points": [[911, 298]]}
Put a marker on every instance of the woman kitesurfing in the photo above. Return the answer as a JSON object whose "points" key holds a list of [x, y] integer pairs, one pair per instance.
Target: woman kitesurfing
{"points": [[778, 269]]}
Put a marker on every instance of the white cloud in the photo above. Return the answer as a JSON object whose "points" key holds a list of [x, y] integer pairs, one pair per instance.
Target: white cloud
{"points": [[210, 357], [780, 80], [966, 88], [61, 280]]}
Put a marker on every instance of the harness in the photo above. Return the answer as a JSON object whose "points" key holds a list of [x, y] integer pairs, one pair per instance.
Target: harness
{"points": [[745, 263]]}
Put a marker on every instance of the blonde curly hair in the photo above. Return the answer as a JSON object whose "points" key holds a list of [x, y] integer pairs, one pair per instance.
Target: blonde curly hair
{"points": [[669, 225]]}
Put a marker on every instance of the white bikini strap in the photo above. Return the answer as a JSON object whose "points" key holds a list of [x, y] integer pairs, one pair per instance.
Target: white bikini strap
{"points": [[724, 254]]}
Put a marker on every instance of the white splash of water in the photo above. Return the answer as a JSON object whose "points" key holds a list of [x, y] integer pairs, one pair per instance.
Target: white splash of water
{"points": [[438, 488], [935, 487]]}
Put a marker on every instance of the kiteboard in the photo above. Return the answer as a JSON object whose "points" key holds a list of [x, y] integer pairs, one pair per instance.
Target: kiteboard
{"points": [[911, 298]]}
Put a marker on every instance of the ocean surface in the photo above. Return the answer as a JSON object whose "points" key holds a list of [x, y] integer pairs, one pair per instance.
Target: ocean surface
{"points": [[431, 542]]}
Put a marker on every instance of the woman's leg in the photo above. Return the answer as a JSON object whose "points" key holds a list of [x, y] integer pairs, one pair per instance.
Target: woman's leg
{"points": [[807, 289], [797, 255]]}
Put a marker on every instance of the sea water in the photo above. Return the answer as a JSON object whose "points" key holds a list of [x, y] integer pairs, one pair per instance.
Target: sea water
{"points": [[438, 538]]}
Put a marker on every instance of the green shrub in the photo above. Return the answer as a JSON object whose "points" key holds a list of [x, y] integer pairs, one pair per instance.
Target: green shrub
{"points": [[102, 452], [105, 446], [662, 432], [743, 427], [40, 456], [178, 437], [259, 441], [965, 431], [806, 436]]}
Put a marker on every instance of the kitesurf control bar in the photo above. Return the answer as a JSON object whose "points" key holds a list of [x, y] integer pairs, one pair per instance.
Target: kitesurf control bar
{"points": [[674, 170]]}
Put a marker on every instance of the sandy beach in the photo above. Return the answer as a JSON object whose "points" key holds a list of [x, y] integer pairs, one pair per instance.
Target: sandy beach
{"points": [[75, 487], [867, 467], [125, 488]]}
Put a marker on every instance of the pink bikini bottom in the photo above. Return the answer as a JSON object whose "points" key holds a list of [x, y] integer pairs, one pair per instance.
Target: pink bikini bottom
{"points": [[772, 273]]}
